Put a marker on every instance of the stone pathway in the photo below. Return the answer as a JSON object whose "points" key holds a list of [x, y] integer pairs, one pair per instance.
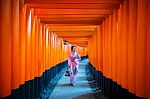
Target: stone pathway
{"points": [[82, 89]]}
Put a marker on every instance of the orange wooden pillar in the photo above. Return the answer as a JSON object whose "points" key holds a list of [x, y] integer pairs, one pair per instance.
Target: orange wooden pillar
{"points": [[37, 30], [5, 47], [104, 51], [124, 41], [59, 50], [82, 51], [119, 45], [22, 40], [89, 56], [57, 54], [28, 57], [93, 54], [141, 49], [102, 44], [114, 45], [28, 45], [33, 23], [49, 40], [148, 66], [96, 51], [91, 46], [47, 45], [40, 51], [106, 47], [51, 50], [91, 51], [48, 57], [62, 51], [15, 46], [148, 51], [43, 45], [132, 45], [55, 48], [101, 47], [98, 48], [109, 44]]}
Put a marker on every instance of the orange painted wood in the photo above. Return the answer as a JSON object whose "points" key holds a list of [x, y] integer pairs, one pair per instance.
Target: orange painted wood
{"points": [[125, 44], [72, 11], [28, 46], [125, 28], [71, 19], [98, 47], [71, 1], [114, 45], [71, 16], [119, 46], [148, 50], [77, 6], [52, 48], [104, 55], [141, 49], [5, 48], [43, 45], [78, 22], [132, 45], [22, 40], [47, 45], [101, 47], [106, 46], [117, 38], [40, 45], [33, 45], [109, 46], [37, 30], [49, 50], [15, 46]]}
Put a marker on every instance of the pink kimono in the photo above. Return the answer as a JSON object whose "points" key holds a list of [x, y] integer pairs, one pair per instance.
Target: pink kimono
{"points": [[73, 62]]}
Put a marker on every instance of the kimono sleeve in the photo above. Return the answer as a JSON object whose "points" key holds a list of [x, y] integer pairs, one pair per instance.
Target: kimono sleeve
{"points": [[69, 60], [78, 57]]}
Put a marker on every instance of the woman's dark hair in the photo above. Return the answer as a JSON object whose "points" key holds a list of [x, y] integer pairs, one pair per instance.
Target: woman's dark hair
{"points": [[72, 47]]}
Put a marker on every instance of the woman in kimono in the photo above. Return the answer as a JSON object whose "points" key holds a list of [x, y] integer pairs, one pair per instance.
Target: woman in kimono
{"points": [[73, 62]]}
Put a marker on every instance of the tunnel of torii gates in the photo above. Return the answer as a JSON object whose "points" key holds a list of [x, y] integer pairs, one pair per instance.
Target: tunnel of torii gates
{"points": [[115, 34]]}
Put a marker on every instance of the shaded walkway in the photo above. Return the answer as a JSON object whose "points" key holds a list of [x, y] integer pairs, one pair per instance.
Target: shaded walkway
{"points": [[81, 90]]}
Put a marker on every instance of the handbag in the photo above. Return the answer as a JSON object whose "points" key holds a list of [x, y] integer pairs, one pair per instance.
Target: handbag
{"points": [[67, 72]]}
